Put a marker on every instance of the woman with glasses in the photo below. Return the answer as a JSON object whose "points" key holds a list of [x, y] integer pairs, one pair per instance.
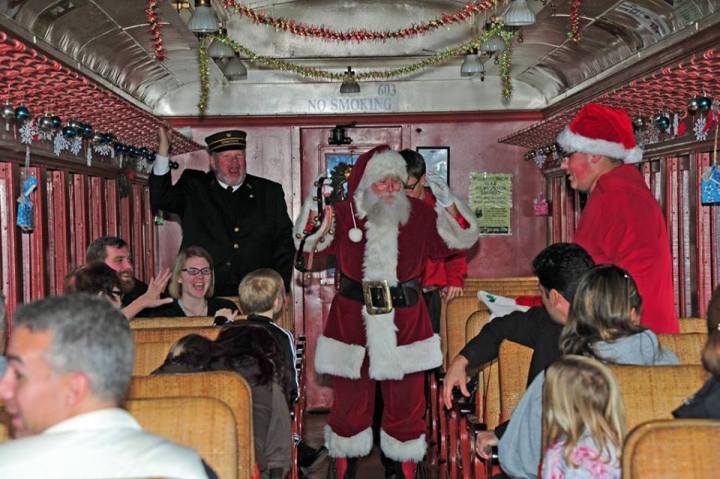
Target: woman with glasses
{"points": [[191, 287]]}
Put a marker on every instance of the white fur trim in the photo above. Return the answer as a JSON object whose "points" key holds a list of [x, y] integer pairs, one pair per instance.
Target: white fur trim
{"points": [[380, 263], [381, 165], [317, 241], [401, 451], [354, 446], [337, 358], [450, 230], [570, 141], [421, 355]]}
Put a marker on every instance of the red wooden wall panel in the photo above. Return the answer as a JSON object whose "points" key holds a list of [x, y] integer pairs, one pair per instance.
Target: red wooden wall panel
{"points": [[10, 250], [58, 230]]}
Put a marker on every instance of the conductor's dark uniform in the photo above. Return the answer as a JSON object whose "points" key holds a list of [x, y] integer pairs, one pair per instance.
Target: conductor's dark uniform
{"points": [[243, 230]]}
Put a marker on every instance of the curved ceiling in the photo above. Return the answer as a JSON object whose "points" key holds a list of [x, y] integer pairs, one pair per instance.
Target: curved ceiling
{"points": [[111, 38]]}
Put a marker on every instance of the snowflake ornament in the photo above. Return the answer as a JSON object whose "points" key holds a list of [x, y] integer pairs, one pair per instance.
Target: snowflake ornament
{"points": [[699, 129], [103, 150], [27, 132], [539, 159], [60, 144], [76, 146]]}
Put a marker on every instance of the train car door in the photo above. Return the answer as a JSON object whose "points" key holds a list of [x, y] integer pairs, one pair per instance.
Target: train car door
{"points": [[319, 286]]}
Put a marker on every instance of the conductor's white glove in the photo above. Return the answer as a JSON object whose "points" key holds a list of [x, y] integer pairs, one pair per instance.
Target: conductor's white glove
{"points": [[440, 190]]}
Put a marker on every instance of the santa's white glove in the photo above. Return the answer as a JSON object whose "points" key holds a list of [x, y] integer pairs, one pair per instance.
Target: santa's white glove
{"points": [[440, 190]]}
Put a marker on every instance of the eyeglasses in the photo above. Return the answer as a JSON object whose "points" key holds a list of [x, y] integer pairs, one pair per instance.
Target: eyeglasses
{"points": [[408, 186], [197, 271]]}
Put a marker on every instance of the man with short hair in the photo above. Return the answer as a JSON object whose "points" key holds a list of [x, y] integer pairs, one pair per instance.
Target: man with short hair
{"points": [[378, 327], [622, 223], [115, 252], [69, 364], [559, 268], [137, 296], [240, 219], [443, 279]]}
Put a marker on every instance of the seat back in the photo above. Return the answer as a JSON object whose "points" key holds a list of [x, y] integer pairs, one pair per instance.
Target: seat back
{"points": [[150, 356], [653, 392], [173, 322], [204, 424], [672, 448], [687, 346], [457, 312], [163, 335], [488, 402], [225, 386], [693, 325], [513, 364], [510, 286]]}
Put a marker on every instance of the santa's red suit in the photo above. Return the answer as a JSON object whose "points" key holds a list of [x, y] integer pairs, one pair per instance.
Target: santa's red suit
{"points": [[358, 348]]}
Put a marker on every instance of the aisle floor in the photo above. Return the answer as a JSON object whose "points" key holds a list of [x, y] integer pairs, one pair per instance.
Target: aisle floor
{"points": [[368, 468]]}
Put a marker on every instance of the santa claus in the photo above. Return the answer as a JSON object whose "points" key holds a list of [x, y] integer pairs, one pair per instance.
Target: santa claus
{"points": [[378, 327]]}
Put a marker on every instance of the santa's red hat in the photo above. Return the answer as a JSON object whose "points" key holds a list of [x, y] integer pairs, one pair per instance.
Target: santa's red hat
{"points": [[374, 165], [601, 130]]}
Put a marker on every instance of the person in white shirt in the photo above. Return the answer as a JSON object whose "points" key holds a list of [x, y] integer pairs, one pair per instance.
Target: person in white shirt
{"points": [[70, 359]]}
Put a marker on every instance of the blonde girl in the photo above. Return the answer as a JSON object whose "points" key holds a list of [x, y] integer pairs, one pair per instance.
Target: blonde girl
{"points": [[583, 420]]}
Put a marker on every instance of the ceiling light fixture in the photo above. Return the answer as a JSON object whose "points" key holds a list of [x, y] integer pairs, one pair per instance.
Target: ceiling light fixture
{"points": [[204, 19], [234, 69], [349, 84], [472, 65], [219, 49], [518, 14], [493, 44]]}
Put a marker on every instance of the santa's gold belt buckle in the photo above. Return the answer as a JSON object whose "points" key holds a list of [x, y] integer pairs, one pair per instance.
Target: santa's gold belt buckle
{"points": [[377, 297]]}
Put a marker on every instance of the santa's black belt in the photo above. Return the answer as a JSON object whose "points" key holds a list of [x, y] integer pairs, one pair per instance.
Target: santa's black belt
{"points": [[378, 297]]}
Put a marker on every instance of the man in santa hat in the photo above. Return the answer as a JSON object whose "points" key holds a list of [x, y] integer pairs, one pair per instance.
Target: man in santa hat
{"points": [[378, 327], [622, 223]]}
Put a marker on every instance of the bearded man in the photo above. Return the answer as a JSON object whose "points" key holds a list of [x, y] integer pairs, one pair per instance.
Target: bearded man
{"points": [[239, 218], [378, 327]]}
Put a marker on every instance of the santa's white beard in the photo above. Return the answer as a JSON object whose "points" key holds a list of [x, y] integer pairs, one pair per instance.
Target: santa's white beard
{"points": [[391, 209]]}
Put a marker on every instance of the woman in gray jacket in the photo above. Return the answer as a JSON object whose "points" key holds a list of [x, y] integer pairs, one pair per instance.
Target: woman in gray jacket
{"points": [[603, 323]]}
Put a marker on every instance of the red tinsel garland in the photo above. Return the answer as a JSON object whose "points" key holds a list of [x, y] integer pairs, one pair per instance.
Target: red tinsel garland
{"points": [[290, 26], [151, 15], [575, 20]]}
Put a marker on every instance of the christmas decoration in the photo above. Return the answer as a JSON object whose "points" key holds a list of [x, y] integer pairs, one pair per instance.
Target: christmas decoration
{"points": [[574, 33], [699, 129], [22, 113], [467, 12], [76, 145], [321, 74], [693, 106], [704, 103], [60, 144], [662, 121], [25, 216], [152, 18]]}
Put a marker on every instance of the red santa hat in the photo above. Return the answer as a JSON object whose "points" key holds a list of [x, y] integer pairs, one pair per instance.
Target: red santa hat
{"points": [[601, 130], [374, 165]]}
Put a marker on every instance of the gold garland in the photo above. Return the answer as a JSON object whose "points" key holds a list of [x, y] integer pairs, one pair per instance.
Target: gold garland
{"points": [[321, 74]]}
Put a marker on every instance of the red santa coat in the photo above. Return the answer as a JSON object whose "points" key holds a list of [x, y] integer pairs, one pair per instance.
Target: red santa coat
{"points": [[622, 224], [402, 341], [450, 271]]}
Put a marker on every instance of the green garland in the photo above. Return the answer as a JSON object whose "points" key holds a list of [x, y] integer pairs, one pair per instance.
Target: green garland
{"points": [[321, 74], [204, 76]]}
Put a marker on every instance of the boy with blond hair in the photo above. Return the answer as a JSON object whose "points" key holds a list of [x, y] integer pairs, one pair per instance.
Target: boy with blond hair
{"points": [[262, 298]]}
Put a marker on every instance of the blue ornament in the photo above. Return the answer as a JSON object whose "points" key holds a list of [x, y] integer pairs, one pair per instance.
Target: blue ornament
{"points": [[151, 156], [662, 122], [56, 121], [22, 113], [69, 132], [120, 148], [87, 131], [704, 103]]}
